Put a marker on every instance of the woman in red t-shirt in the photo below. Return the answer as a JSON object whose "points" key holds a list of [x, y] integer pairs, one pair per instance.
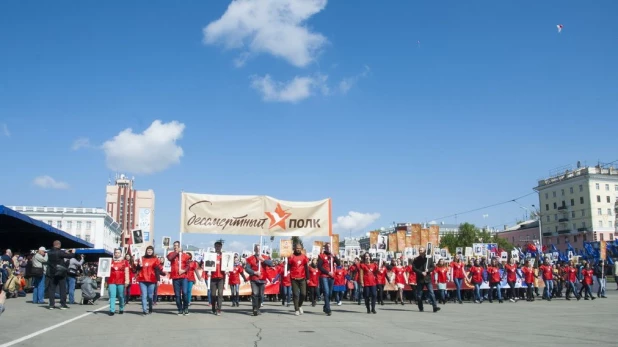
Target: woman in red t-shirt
{"points": [[367, 277], [511, 278], [116, 282], [476, 276], [400, 280], [587, 274], [411, 280], [146, 277], [286, 284], [234, 280], [380, 281], [314, 278], [529, 276], [441, 271], [457, 274], [190, 277]]}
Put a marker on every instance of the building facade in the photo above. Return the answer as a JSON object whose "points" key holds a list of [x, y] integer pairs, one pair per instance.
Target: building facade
{"points": [[93, 225], [522, 234], [132, 209], [578, 205]]}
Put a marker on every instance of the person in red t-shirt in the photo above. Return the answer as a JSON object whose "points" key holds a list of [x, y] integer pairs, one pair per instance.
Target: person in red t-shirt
{"points": [[368, 271], [548, 278], [191, 277], [145, 268], [571, 279], [217, 282], [313, 281], [298, 265], [400, 280], [587, 274], [457, 274], [380, 280], [411, 280], [326, 264], [442, 275], [116, 282], [494, 278], [511, 278], [476, 276], [234, 280], [286, 284], [529, 276], [180, 266], [256, 267]]}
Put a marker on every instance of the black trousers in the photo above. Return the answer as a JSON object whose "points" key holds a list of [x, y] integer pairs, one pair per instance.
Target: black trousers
{"points": [[257, 294], [370, 294], [61, 283], [512, 285], [299, 292], [313, 294], [216, 293], [380, 292]]}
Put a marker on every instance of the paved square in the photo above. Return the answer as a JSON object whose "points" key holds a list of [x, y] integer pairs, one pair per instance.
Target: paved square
{"points": [[559, 322]]}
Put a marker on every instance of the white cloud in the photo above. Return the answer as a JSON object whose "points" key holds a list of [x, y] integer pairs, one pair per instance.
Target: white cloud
{"points": [[4, 130], [236, 246], [292, 91], [48, 182], [152, 151], [355, 221], [276, 27], [347, 83], [82, 142]]}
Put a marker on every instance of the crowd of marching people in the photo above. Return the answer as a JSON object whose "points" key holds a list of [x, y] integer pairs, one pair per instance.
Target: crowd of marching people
{"points": [[325, 278]]}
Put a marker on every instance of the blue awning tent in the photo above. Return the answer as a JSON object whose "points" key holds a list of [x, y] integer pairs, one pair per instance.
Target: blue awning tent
{"points": [[93, 254], [20, 232]]}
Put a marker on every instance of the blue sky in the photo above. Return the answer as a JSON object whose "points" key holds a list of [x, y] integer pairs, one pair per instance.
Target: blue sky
{"points": [[323, 100]]}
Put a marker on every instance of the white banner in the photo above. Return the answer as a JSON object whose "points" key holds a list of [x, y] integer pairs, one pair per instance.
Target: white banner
{"points": [[254, 215]]}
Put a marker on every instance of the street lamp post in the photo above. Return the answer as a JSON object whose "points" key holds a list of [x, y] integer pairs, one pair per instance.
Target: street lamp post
{"points": [[540, 228]]}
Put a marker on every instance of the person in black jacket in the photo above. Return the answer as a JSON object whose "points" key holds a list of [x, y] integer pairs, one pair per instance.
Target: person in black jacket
{"points": [[423, 267], [601, 273], [57, 271]]}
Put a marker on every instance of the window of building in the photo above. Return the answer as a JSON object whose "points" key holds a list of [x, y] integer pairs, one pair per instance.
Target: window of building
{"points": [[556, 228], [599, 212], [581, 200], [50, 222], [616, 188], [557, 240], [601, 237], [555, 217], [59, 224], [574, 226], [600, 224], [585, 238], [597, 186], [571, 190], [598, 198], [572, 214], [555, 206], [546, 207], [69, 224], [610, 224], [87, 238], [88, 225], [547, 195], [581, 188], [562, 192], [554, 194], [563, 203], [609, 200], [79, 225], [572, 202], [547, 218], [583, 224], [583, 213], [574, 238], [609, 211], [607, 187], [611, 236]]}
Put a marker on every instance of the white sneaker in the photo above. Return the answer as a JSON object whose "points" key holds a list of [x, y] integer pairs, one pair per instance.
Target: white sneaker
{"points": [[339, 303], [300, 309], [511, 300], [297, 313]]}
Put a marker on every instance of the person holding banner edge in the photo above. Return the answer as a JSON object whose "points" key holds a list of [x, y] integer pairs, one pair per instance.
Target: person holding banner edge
{"points": [[258, 277], [298, 267], [180, 267], [423, 267], [326, 265]]}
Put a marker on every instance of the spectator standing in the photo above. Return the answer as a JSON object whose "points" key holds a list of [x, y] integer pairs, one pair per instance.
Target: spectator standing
{"points": [[39, 268], [57, 273], [75, 267]]}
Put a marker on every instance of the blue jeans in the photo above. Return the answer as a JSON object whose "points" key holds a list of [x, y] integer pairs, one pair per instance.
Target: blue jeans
{"points": [[326, 285], [147, 290], [458, 285], [419, 294], [286, 294], [498, 289], [235, 293], [571, 287], [116, 290], [477, 292], [549, 288], [358, 291], [189, 291], [601, 290], [71, 288], [38, 293], [180, 290]]}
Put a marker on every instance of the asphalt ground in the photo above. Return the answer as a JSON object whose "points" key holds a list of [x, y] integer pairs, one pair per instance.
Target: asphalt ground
{"points": [[558, 322]]}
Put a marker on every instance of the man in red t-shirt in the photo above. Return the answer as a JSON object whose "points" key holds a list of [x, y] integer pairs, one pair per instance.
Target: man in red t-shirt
{"points": [[298, 266], [217, 282], [180, 267], [548, 278], [326, 265]]}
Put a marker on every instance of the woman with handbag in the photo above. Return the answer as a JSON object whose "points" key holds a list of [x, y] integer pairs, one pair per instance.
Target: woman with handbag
{"points": [[39, 267]]}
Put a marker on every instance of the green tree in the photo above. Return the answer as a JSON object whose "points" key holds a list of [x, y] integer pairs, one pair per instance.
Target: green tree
{"points": [[469, 234], [275, 253]]}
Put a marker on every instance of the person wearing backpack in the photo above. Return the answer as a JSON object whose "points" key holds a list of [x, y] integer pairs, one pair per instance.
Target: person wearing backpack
{"points": [[57, 271]]}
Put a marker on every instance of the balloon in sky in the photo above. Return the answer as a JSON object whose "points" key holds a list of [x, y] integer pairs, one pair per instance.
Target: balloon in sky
{"points": [[559, 26]]}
